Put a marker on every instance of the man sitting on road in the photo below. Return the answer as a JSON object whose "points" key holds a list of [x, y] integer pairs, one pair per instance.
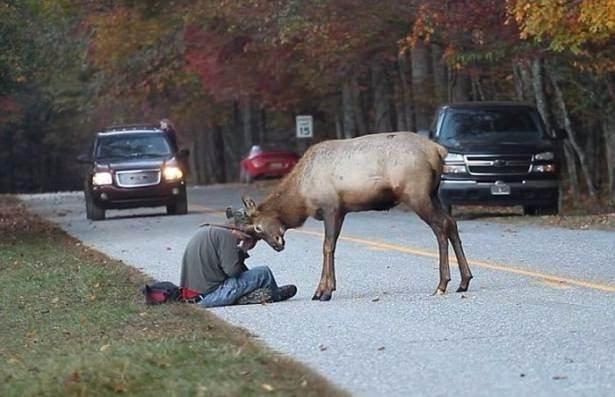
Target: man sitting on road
{"points": [[214, 273]]}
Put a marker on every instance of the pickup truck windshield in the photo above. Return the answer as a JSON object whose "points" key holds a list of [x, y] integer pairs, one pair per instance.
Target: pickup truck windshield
{"points": [[132, 146], [507, 124]]}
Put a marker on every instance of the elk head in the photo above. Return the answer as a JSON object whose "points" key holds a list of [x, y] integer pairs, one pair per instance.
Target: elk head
{"points": [[265, 225]]}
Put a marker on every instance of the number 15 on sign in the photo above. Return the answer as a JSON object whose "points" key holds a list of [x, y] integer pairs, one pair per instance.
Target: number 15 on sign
{"points": [[305, 127]]}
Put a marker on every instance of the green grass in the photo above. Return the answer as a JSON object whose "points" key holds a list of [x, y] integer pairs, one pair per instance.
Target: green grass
{"points": [[73, 322]]}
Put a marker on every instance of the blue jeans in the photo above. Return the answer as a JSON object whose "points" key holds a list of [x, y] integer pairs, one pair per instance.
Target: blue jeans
{"points": [[235, 287]]}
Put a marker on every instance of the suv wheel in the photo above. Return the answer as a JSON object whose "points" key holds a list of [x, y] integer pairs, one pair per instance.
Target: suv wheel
{"points": [[93, 211], [180, 207]]}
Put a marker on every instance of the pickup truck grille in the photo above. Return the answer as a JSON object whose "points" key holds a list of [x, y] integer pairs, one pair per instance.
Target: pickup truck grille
{"points": [[137, 178], [505, 164]]}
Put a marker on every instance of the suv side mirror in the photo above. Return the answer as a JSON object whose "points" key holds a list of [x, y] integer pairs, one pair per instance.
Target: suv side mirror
{"points": [[426, 133], [84, 158], [183, 153]]}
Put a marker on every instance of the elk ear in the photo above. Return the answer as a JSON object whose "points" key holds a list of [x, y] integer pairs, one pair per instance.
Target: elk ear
{"points": [[249, 204]]}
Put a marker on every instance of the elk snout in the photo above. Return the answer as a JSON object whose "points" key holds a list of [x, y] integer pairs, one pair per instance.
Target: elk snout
{"points": [[277, 243]]}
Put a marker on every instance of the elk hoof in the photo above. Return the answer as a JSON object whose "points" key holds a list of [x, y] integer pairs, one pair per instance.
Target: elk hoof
{"points": [[316, 296], [325, 297], [438, 291], [462, 289]]}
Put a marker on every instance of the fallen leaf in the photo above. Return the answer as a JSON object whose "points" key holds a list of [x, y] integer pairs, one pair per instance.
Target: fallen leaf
{"points": [[322, 348], [560, 377], [304, 383], [104, 347], [381, 348], [376, 299], [267, 387], [55, 300]]}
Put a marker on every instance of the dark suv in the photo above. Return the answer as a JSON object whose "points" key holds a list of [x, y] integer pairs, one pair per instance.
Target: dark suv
{"points": [[499, 154], [134, 166]]}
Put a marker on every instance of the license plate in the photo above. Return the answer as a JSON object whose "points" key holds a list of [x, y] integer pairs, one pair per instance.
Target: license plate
{"points": [[500, 189], [276, 166]]}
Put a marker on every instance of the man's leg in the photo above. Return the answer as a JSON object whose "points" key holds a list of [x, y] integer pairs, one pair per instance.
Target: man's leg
{"points": [[268, 289], [236, 287]]}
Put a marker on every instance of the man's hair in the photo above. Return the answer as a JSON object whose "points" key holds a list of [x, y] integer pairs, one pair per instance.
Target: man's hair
{"points": [[237, 218]]}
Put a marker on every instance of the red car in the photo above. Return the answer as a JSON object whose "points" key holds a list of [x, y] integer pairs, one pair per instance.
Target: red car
{"points": [[266, 162]]}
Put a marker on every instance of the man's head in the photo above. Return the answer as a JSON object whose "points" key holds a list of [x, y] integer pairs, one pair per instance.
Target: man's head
{"points": [[264, 225], [244, 232]]}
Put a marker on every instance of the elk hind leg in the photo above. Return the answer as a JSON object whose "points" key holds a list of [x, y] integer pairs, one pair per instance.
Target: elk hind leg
{"points": [[462, 262]]}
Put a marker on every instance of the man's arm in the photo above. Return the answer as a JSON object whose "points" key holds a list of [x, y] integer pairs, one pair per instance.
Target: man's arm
{"points": [[231, 256]]}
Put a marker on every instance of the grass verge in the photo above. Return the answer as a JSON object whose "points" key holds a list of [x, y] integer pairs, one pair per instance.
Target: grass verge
{"points": [[73, 322]]}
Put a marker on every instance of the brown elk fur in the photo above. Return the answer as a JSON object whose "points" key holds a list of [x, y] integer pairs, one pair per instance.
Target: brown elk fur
{"points": [[372, 172]]}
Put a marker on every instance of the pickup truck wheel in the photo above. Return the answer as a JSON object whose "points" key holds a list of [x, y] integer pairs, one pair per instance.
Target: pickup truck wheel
{"points": [[180, 207], [93, 211]]}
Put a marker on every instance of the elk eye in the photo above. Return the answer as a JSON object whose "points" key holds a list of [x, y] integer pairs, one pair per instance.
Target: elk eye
{"points": [[258, 228]]}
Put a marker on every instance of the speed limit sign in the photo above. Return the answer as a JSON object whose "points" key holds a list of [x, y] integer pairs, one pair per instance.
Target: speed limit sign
{"points": [[305, 127]]}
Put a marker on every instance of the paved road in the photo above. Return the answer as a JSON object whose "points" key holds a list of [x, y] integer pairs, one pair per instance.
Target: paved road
{"points": [[539, 318]]}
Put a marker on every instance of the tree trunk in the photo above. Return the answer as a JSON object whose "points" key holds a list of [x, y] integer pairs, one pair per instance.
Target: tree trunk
{"points": [[561, 104], [523, 81], [246, 121], [477, 88], [536, 73], [440, 74], [398, 100], [349, 126], [382, 97], [608, 130], [571, 167], [405, 76], [460, 87], [421, 85]]}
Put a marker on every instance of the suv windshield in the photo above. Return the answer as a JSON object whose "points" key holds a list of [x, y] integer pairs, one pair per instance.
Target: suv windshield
{"points": [[132, 145], [506, 124]]}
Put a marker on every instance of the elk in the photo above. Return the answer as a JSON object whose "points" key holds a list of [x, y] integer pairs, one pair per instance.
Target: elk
{"points": [[371, 172]]}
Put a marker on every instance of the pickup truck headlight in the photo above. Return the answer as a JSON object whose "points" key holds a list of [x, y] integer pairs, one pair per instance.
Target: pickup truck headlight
{"points": [[544, 156], [544, 168], [172, 173], [102, 178], [454, 169], [454, 158]]}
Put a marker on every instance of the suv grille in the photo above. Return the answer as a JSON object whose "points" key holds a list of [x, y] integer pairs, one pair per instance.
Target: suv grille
{"points": [[508, 164], [137, 178]]}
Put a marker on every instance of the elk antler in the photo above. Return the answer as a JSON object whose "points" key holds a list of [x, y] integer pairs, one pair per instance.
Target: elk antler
{"points": [[249, 204]]}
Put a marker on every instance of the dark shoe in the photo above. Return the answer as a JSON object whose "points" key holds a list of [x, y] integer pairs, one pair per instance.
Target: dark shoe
{"points": [[261, 295], [286, 292]]}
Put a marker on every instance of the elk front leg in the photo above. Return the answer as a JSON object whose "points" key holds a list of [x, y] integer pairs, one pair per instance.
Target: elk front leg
{"points": [[333, 225]]}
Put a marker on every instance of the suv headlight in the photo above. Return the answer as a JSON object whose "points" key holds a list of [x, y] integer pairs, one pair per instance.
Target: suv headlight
{"points": [[544, 156], [102, 178], [172, 173], [454, 158]]}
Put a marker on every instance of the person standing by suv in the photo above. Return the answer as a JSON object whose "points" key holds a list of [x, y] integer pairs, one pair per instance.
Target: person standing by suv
{"points": [[177, 143], [214, 272]]}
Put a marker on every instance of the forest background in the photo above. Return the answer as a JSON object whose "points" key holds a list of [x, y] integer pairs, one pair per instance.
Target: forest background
{"points": [[231, 74]]}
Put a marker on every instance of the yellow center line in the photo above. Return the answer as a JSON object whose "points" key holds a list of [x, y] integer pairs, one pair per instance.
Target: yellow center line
{"points": [[420, 252]]}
